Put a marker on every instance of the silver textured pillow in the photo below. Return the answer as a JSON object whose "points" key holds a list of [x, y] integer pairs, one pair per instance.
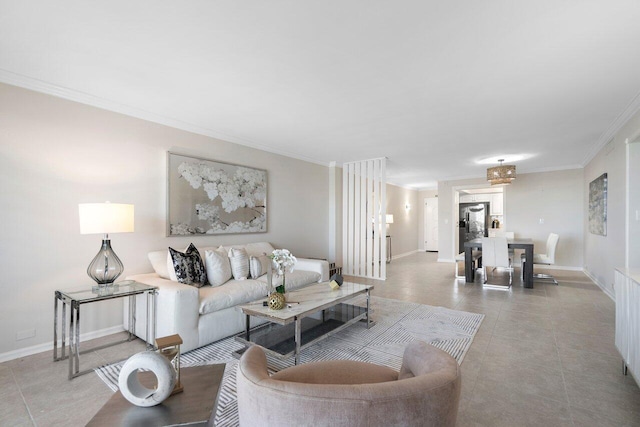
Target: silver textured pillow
{"points": [[258, 265], [239, 263]]}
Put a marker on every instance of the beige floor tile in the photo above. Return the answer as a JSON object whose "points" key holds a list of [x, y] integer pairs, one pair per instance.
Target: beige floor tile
{"points": [[609, 397], [491, 406], [596, 365], [524, 331], [512, 351], [515, 377], [13, 410], [596, 418], [539, 319], [587, 342]]}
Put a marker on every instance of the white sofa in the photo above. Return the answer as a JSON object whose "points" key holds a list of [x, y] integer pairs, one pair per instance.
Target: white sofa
{"points": [[207, 314]]}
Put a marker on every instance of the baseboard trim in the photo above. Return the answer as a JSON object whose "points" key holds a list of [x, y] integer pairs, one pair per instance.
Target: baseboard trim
{"points": [[604, 289], [405, 254], [561, 267], [40, 348], [450, 260]]}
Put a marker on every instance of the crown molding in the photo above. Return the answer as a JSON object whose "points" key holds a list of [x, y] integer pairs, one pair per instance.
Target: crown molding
{"points": [[41, 86], [613, 129]]}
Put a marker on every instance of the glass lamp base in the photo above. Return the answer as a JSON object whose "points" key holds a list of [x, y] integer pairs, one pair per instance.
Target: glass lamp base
{"points": [[106, 267]]}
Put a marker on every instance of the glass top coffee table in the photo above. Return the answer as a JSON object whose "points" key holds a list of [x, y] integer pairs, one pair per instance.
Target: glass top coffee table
{"points": [[311, 314]]}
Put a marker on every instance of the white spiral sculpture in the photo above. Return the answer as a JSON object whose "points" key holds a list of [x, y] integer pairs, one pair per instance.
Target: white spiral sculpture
{"points": [[134, 391]]}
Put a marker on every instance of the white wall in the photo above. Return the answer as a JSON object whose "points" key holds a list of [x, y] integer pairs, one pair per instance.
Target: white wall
{"points": [[557, 197], [55, 154], [634, 203], [405, 221], [603, 254]]}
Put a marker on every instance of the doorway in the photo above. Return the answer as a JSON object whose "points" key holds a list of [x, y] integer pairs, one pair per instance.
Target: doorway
{"points": [[431, 224], [494, 197]]}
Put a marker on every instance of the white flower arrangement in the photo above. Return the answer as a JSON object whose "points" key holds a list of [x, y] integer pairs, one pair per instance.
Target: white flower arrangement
{"points": [[282, 262]]}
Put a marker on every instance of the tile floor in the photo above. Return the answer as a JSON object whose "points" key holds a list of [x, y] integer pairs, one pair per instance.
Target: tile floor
{"points": [[542, 357]]}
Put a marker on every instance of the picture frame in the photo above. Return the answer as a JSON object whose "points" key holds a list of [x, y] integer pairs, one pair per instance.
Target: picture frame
{"points": [[209, 197], [598, 205]]}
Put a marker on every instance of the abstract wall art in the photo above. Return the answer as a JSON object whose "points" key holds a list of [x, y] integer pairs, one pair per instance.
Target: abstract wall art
{"points": [[598, 205]]}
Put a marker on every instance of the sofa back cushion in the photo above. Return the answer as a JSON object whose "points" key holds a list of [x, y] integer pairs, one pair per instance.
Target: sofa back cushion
{"points": [[159, 263], [163, 264], [239, 263], [258, 265], [218, 267]]}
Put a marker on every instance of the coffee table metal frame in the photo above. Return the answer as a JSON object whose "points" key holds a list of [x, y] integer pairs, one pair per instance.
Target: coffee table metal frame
{"points": [[295, 314], [76, 297]]}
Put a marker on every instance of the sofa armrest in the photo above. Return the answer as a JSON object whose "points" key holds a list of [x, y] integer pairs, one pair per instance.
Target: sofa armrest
{"points": [[177, 307], [316, 265]]}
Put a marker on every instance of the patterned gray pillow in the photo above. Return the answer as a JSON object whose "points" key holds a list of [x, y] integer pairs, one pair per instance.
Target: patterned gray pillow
{"points": [[189, 267]]}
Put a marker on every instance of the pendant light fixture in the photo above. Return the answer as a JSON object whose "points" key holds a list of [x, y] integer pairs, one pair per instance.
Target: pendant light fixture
{"points": [[501, 174]]}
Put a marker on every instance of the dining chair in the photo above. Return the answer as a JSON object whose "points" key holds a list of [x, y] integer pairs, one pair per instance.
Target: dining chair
{"points": [[495, 253], [508, 235], [548, 258], [476, 258]]}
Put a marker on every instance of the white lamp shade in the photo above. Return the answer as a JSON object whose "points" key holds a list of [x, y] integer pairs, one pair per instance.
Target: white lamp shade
{"points": [[104, 218], [389, 219]]}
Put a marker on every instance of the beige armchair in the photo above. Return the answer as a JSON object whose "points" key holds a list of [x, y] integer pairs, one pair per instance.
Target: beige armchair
{"points": [[425, 392]]}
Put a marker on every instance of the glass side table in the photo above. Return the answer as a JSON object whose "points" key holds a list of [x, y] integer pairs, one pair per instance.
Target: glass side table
{"points": [[75, 298]]}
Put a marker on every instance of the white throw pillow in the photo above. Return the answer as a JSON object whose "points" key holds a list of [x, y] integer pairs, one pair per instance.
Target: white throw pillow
{"points": [[159, 263], [239, 263], [218, 267], [258, 265]]}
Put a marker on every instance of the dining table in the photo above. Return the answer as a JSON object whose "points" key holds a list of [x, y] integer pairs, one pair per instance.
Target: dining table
{"points": [[515, 243]]}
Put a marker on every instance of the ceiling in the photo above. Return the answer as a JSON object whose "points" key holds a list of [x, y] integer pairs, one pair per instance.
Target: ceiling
{"points": [[434, 86]]}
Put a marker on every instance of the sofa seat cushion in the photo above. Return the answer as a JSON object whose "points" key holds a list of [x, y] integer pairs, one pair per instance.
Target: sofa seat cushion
{"points": [[230, 294], [294, 280]]}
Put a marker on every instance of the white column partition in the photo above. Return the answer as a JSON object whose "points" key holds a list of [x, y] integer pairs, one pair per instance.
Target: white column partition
{"points": [[364, 210]]}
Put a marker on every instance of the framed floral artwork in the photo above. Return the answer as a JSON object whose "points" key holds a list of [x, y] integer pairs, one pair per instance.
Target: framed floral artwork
{"points": [[210, 197], [598, 205]]}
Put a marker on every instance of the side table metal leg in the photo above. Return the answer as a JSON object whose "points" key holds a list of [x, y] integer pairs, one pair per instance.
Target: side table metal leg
{"points": [[134, 316], [248, 327], [71, 343], [63, 347], [151, 313], [154, 315], [131, 329], [368, 312], [55, 328], [76, 340], [297, 338]]}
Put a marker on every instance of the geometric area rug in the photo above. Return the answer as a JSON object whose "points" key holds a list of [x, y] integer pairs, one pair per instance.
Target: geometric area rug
{"points": [[397, 323]]}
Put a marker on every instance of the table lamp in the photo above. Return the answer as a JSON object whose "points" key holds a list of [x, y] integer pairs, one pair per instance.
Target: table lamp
{"points": [[105, 218]]}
